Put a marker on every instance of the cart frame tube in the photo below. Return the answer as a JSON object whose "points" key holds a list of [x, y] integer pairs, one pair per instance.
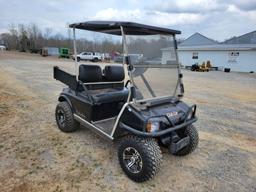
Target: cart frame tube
{"points": [[125, 53], [180, 84], [75, 52], [159, 133]]}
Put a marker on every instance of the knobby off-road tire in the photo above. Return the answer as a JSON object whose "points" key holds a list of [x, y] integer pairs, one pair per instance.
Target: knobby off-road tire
{"points": [[192, 132], [64, 118], [149, 154]]}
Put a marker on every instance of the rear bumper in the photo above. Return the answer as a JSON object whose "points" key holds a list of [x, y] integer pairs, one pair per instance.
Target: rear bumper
{"points": [[159, 133]]}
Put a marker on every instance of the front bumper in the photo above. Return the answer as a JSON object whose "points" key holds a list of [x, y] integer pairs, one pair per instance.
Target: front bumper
{"points": [[175, 147], [159, 133]]}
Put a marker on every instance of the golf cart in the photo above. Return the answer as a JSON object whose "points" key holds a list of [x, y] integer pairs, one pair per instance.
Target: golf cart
{"points": [[142, 110]]}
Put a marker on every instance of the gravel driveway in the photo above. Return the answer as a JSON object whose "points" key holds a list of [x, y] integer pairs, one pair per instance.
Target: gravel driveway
{"points": [[36, 156]]}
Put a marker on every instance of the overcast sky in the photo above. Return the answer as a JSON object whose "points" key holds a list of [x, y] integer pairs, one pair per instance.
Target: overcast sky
{"points": [[214, 18]]}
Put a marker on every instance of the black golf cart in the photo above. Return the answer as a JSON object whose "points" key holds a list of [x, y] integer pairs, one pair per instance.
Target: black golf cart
{"points": [[143, 109]]}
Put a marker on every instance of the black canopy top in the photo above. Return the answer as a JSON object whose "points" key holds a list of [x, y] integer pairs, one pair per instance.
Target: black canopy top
{"points": [[130, 28]]}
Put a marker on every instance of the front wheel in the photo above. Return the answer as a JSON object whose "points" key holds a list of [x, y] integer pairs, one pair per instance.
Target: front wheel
{"points": [[140, 158], [64, 118], [192, 133]]}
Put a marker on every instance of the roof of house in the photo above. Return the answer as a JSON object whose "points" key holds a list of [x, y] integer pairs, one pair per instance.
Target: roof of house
{"points": [[130, 28], [198, 39], [198, 42], [219, 47], [248, 38]]}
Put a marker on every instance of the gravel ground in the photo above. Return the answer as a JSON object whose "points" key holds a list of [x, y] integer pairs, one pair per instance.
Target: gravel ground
{"points": [[36, 156]]}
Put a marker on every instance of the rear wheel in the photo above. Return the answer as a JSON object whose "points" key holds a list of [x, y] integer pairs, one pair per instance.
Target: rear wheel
{"points": [[78, 59], [192, 133], [140, 158], [64, 118]]}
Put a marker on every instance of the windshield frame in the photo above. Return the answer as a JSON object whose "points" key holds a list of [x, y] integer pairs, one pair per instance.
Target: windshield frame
{"points": [[126, 64], [131, 67]]}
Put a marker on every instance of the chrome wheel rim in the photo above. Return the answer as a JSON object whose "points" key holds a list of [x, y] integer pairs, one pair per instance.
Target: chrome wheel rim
{"points": [[61, 117], [132, 160]]}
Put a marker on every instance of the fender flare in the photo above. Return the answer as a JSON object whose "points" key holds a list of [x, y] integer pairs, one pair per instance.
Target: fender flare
{"points": [[65, 98]]}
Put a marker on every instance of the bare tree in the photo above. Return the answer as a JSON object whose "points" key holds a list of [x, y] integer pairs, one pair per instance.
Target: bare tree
{"points": [[30, 37], [47, 33], [23, 38], [14, 41], [34, 34]]}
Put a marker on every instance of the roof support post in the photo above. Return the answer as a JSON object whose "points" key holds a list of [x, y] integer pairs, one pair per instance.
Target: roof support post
{"points": [[180, 81], [125, 50], [125, 54], [75, 53]]}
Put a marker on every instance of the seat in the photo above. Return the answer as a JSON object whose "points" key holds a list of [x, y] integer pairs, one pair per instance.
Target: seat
{"points": [[90, 73], [113, 91], [109, 95], [113, 73]]}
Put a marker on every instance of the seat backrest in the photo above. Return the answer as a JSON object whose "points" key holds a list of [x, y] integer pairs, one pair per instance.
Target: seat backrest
{"points": [[90, 73], [113, 73]]}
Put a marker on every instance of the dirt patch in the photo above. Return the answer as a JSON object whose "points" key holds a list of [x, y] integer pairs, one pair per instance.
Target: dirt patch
{"points": [[36, 156], [236, 140]]}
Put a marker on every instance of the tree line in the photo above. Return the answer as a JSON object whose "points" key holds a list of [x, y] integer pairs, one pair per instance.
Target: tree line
{"points": [[31, 38]]}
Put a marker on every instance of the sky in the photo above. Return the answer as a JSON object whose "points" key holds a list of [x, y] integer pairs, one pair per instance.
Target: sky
{"points": [[215, 19]]}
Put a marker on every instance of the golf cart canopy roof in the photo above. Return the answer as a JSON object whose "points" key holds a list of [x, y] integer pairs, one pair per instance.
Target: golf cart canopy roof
{"points": [[130, 28]]}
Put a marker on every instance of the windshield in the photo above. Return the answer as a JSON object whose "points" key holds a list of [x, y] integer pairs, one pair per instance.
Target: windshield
{"points": [[155, 72]]}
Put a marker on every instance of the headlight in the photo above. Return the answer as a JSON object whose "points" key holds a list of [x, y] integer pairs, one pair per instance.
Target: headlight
{"points": [[152, 126], [190, 115]]}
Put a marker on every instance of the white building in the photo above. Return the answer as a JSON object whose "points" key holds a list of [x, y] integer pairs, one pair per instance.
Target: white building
{"points": [[168, 55], [238, 54], [2, 48], [50, 51]]}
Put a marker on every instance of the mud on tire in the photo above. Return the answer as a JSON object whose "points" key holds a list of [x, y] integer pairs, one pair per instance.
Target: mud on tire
{"points": [[64, 118], [149, 154]]}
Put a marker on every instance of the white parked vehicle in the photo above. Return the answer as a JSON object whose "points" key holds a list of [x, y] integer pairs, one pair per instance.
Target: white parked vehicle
{"points": [[2, 48], [91, 56]]}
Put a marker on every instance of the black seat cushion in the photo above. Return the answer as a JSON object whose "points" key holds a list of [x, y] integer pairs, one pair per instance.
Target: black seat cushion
{"points": [[109, 95], [114, 73], [104, 93], [90, 73]]}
